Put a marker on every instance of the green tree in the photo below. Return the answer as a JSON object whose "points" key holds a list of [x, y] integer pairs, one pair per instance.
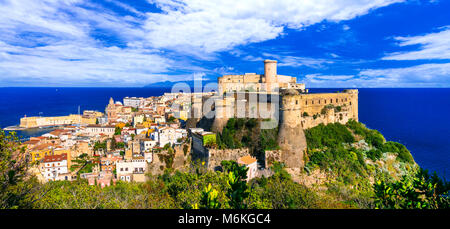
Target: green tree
{"points": [[118, 131], [209, 199], [18, 188], [421, 191], [237, 189]]}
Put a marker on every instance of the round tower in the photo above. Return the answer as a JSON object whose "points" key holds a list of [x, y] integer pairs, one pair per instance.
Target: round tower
{"points": [[291, 138], [270, 71]]}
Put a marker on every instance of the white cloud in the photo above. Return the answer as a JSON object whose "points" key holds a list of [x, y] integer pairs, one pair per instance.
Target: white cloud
{"points": [[68, 42], [217, 25], [75, 64], [224, 70], [432, 46], [425, 75], [421, 75], [51, 42], [319, 77], [295, 61]]}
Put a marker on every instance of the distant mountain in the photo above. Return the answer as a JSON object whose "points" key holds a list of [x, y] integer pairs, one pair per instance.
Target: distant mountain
{"points": [[168, 84]]}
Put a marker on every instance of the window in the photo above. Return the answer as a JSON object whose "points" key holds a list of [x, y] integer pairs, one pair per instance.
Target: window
{"points": [[296, 102]]}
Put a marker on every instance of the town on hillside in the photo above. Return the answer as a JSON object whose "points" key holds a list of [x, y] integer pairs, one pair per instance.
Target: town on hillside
{"points": [[149, 135], [119, 144]]}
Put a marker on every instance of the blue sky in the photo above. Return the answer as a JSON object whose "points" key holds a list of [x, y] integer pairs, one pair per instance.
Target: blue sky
{"points": [[324, 43]]}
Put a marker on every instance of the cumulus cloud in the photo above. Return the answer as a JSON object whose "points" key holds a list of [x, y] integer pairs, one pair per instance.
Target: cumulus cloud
{"points": [[81, 43], [217, 25], [432, 46], [296, 61], [425, 75], [77, 64], [53, 42]]}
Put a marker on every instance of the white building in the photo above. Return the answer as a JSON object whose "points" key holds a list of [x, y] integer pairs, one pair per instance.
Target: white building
{"points": [[159, 119], [147, 144], [141, 130], [251, 163], [166, 135], [54, 166], [131, 170], [93, 130], [133, 102], [148, 157]]}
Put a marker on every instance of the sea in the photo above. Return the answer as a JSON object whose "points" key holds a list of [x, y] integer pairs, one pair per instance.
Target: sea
{"points": [[419, 118]]}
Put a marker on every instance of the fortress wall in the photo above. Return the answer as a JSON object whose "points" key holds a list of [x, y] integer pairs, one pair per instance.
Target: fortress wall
{"points": [[314, 103], [330, 117], [216, 156], [31, 122], [272, 156], [286, 79]]}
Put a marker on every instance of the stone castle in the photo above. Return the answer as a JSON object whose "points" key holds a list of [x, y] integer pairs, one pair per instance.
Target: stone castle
{"points": [[283, 101]]}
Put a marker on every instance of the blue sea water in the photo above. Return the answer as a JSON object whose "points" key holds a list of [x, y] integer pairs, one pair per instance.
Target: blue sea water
{"points": [[417, 118]]}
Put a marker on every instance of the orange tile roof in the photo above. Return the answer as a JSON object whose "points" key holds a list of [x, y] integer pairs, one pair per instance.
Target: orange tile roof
{"points": [[247, 160]]}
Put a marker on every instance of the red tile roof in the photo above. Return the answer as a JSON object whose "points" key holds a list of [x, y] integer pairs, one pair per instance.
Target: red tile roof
{"points": [[53, 158]]}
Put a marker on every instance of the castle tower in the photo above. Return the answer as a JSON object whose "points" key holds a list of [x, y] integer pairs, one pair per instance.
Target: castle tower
{"points": [[111, 101], [291, 137], [270, 73]]}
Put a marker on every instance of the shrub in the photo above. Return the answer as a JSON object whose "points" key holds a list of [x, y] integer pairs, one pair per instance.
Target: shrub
{"points": [[330, 135], [374, 154], [402, 152], [372, 137], [421, 191]]}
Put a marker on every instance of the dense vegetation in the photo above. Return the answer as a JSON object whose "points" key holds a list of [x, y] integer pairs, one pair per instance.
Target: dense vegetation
{"points": [[247, 132], [354, 156], [361, 176]]}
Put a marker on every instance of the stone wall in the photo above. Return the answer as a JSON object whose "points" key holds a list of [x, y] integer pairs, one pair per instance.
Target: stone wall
{"points": [[272, 156], [180, 160], [216, 156]]}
